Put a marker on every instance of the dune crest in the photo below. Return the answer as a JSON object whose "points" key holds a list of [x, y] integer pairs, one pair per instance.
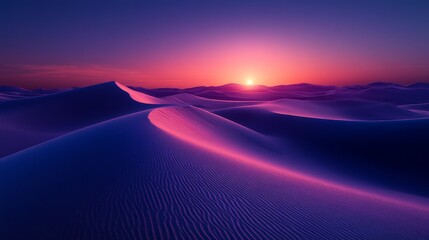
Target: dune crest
{"points": [[139, 96]]}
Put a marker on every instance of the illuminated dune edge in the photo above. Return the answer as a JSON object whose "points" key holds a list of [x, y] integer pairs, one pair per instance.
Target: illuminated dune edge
{"points": [[150, 171]]}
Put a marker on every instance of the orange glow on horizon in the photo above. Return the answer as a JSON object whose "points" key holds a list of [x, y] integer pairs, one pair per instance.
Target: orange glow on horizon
{"points": [[222, 60]]}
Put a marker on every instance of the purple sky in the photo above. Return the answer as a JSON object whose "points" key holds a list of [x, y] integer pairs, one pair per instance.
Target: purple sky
{"points": [[189, 43]]}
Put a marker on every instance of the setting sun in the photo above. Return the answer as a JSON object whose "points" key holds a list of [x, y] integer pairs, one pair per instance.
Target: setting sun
{"points": [[249, 82]]}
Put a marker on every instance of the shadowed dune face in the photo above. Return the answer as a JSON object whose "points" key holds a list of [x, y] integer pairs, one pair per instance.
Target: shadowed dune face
{"points": [[286, 162]]}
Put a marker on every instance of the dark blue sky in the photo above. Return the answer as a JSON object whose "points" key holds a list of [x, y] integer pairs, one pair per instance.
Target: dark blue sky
{"points": [[187, 43]]}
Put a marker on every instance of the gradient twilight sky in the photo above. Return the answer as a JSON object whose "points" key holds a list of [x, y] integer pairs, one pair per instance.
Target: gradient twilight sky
{"points": [[187, 43]]}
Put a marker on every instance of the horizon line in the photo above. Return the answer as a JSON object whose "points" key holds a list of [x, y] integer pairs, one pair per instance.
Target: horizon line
{"points": [[227, 84]]}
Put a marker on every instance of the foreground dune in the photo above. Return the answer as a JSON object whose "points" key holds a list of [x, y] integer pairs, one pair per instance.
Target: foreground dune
{"points": [[138, 169]]}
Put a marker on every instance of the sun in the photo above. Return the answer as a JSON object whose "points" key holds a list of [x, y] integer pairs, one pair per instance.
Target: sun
{"points": [[249, 82]]}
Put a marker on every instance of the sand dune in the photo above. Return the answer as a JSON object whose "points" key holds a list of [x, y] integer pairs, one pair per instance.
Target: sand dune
{"points": [[30, 121], [340, 109], [140, 97], [120, 164], [13, 93], [385, 153], [211, 132]]}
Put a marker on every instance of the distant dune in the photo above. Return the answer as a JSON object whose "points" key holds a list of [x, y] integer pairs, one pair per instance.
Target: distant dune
{"points": [[228, 162]]}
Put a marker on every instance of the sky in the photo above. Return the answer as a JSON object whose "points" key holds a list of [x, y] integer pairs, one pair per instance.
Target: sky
{"points": [[182, 44]]}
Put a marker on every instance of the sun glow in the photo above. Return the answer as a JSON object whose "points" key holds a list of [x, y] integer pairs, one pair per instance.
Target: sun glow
{"points": [[249, 82]]}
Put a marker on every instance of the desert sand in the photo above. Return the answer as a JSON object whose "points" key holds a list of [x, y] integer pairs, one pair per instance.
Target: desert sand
{"points": [[229, 162]]}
